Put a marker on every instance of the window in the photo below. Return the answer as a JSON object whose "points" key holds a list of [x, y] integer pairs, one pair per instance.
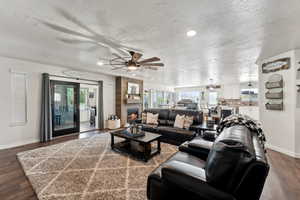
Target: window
{"points": [[57, 97], [158, 99], [83, 98], [18, 98], [249, 95], [213, 98], [192, 95]]}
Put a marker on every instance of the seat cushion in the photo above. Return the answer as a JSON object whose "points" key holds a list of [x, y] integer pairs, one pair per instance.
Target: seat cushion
{"points": [[175, 135], [150, 128], [165, 130]]}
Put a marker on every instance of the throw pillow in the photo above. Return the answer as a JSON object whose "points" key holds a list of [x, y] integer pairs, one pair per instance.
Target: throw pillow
{"points": [[179, 121], [152, 118], [144, 117], [188, 121]]}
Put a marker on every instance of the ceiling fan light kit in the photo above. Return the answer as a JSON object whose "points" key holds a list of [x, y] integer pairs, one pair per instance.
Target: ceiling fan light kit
{"points": [[132, 68]]}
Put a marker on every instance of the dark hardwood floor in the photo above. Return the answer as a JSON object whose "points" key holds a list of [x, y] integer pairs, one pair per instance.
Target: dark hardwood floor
{"points": [[283, 182]]}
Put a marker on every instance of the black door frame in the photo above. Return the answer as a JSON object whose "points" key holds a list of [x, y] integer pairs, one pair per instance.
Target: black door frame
{"points": [[76, 105]]}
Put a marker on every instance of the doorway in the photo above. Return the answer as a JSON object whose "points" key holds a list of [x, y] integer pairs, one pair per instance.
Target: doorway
{"points": [[64, 107], [74, 107], [88, 107]]}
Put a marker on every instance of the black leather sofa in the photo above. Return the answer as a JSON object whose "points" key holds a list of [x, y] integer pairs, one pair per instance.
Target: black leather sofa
{"points": [[166, 119], [233, 167]]}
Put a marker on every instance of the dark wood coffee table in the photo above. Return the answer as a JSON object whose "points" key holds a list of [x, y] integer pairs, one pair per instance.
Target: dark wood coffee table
{"points": [[139, 147]]}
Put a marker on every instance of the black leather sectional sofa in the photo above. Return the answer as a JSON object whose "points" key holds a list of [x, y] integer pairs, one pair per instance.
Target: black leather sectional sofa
{"points": [[233, 167], [165, 127]]}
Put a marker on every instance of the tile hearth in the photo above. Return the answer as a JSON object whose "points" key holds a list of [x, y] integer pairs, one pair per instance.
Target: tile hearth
{"points": [[88, 169]]}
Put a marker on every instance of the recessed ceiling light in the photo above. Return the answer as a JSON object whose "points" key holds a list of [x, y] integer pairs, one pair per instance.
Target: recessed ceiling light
{"points": [[191, 33], [100, 63]]}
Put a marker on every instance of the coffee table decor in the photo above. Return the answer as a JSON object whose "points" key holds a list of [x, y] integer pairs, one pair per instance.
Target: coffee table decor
{"points": [[134, 131]]}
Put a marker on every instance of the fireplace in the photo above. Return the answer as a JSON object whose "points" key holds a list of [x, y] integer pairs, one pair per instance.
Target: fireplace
{"points": [[127, 109], [132, 114]]}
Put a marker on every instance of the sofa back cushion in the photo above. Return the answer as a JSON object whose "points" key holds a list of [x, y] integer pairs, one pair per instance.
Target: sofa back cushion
{"points": [[167, 116], [252, 184], [144, 117], [163, 115], [197, 116], [179, 121], [188, 121], [228, 160], [152, 118]]}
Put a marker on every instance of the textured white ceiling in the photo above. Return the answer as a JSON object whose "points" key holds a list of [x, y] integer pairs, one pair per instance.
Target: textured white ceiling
{"points": [[231, 35]]}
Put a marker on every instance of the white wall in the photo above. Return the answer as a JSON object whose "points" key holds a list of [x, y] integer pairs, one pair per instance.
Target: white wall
{"points": [[231, 91], [280, 126], [228, 91], [20, 135], [297, 110], [251, 111]]}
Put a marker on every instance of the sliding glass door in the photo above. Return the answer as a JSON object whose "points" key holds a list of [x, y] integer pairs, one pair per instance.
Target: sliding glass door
{"points": [[65, 107]]}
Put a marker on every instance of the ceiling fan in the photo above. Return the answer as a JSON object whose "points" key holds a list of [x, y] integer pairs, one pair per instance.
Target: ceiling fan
{"points": [[133, 62]]}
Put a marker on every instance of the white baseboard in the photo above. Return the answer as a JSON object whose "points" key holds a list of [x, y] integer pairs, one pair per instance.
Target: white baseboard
{"points": [[16, 144], [284, 151]]}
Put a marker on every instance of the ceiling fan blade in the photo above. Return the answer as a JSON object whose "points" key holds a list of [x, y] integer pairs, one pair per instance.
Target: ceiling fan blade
{"points": [[75, 41], [118, 56], [151, 67], [94, 48], [153, 59], [64, 29], [96, 36], [104, 59], [127, 48], [116, 68], [73, 19], [153, 64], [115, 64]]}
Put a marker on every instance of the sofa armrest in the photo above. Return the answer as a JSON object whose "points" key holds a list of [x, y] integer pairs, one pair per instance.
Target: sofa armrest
{"points": [[189, 178], [200, 143], [197, 147], [196, 128], [209, 135]]}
